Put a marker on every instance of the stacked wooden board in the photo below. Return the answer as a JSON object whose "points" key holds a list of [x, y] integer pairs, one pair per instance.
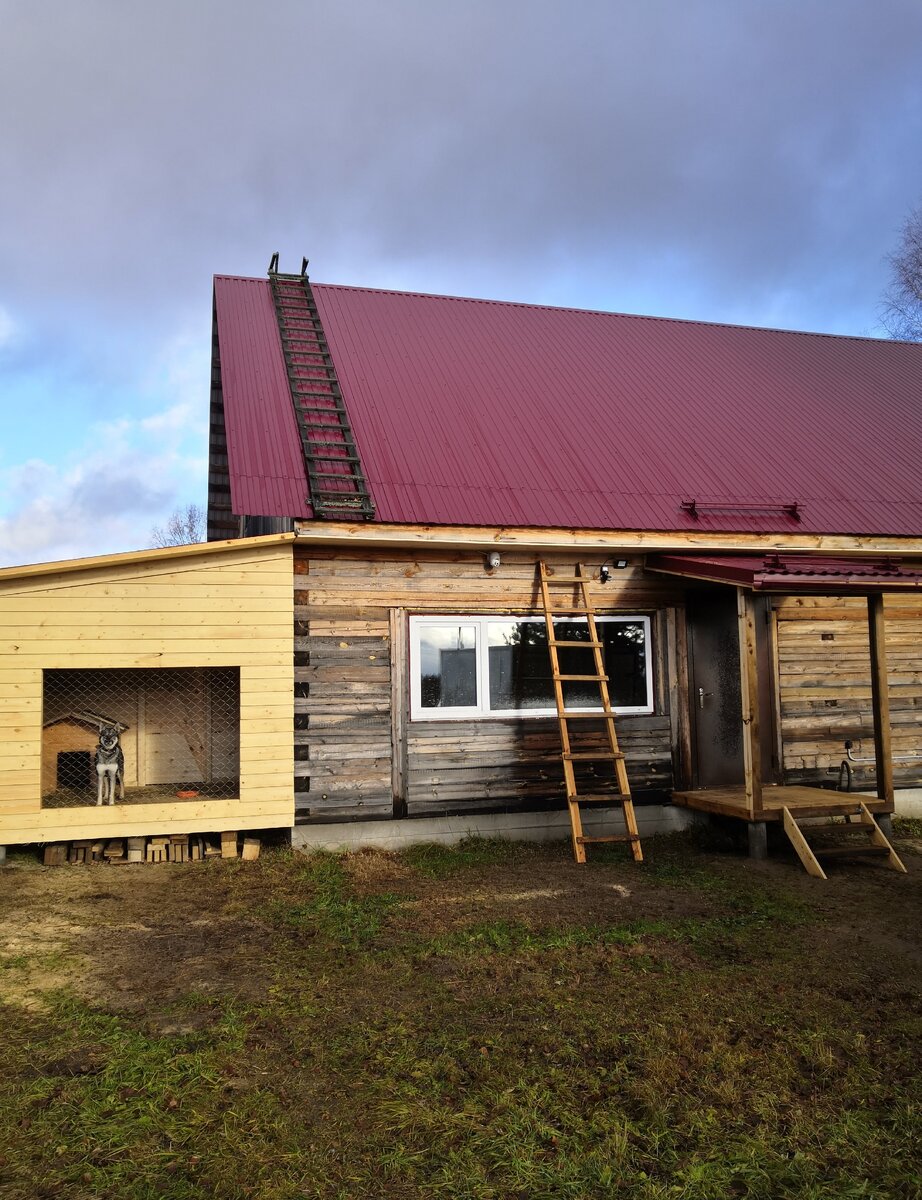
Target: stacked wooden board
{"points": [[175, 848]]}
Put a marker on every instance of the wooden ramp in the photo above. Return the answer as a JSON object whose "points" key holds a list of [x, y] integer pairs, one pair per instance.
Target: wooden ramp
{"points": [[832, 839], [575, 602]]}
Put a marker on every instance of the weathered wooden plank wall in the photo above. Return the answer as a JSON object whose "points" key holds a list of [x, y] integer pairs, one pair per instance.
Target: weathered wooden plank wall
{"points": [[359, 755], [824, 684]]}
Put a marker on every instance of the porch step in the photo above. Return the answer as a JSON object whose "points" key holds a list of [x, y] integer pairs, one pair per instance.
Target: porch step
{"points": [[875, 844]]}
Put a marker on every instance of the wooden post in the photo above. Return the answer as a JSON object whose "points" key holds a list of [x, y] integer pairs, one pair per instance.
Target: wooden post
{"points": [[398, 640], [677, 675], [749, 690], [880, 700]]}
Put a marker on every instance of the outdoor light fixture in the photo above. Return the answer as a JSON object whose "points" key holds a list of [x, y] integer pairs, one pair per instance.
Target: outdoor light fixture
{"points": [[493, 560], [606, 568]]}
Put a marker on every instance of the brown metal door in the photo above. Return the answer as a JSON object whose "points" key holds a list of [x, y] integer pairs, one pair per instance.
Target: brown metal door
{"points": [[714, 679]]}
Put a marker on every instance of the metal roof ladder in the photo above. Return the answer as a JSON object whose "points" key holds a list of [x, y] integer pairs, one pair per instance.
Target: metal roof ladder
{"points": [[863, 839], [338, 489], [580, 605]]}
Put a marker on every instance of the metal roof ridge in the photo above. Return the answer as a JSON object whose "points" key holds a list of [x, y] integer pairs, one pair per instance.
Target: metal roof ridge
{"points": [[604, 312], [599, 312]]}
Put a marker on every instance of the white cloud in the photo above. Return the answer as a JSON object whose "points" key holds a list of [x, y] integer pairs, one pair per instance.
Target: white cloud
{"points": [[125, 478]]}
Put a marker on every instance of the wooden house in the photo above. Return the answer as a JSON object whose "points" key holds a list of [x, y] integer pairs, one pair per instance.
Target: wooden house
{"points": [[748, 502], [361, 639]]}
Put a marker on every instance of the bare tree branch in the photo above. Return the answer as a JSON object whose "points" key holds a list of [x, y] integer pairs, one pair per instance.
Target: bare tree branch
{"points": [[184, 526], [901, 312]]}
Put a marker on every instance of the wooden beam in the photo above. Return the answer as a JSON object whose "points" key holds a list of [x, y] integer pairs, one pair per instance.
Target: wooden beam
{"points": [[801, 846], [677, 676], [879, 838], [749, 690], [399, 709], [377, 533], [64, 566], [778, 737], [880, 700]]}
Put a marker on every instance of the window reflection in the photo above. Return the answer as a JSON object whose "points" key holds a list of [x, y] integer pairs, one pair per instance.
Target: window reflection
{"points": [[448, 666], [520, 671]]}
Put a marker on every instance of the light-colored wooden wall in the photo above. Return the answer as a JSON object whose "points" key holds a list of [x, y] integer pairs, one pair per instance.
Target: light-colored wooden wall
{"points": [[229, 607], [356, 750], [824, 684]]}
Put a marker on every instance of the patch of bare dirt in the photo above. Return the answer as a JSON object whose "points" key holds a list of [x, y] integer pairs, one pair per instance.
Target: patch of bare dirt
{"points": [[126, 937], [557, 893], [137, 938]]}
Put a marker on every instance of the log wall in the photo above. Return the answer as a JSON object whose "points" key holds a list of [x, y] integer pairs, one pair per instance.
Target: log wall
{"points": [[357, 752], [824, 686]]}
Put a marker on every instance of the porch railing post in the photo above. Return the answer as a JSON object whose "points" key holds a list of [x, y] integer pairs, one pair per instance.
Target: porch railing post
{"points": [[880, 699], [749, 677]]}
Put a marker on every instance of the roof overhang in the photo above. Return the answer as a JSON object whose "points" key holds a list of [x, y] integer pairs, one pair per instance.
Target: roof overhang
{"points": [[379, 534], [159, 554], [794, 574]]}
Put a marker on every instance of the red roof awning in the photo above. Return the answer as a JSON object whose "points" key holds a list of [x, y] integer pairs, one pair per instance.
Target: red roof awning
{"points": [[794, 573]]}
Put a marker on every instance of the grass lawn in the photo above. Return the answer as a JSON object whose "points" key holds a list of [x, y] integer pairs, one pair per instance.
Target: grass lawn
{"points": [[491, 1021]]}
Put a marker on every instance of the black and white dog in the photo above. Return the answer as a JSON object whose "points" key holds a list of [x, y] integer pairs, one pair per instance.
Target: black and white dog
{"points": [[110, 766]]}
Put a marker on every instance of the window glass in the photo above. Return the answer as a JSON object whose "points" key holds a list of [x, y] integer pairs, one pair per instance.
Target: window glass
{"points": [[489, 665], [625, 662], [448, 666], [520, 669]]}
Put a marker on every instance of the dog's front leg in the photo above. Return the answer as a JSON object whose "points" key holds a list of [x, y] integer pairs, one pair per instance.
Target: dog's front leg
{"points": [[100, 783]]}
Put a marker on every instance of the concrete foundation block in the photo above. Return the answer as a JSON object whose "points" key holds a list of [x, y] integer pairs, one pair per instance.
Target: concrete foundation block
{"points": [[448, 831]]}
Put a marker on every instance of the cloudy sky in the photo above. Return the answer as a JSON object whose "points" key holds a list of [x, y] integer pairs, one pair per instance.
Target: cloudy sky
{"points": [[729, 160]]}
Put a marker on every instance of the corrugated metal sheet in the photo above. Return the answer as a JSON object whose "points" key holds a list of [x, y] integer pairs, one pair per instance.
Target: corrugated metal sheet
{"points": [[265, 462], [800, 574], [487, 413]]}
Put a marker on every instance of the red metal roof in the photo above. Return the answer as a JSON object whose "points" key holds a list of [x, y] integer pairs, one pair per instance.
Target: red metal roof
{"points": [[477, 412], [792, 574]]}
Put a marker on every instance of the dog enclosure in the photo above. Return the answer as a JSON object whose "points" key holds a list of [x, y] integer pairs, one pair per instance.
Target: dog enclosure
{"points": [[186, 654], [179, 731]]}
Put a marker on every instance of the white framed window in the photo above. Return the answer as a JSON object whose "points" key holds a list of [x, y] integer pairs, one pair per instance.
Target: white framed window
{"points": [[478, 667]]}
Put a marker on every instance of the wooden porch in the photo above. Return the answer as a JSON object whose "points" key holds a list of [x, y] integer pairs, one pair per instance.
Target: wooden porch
{"points": [[800, 801], [803, 811]]}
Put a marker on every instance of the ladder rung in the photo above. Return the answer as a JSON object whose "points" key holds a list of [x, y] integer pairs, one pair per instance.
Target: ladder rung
{"points": [[566, 612], [333, 458], [322, 510], [570, 714], [622, 837], [584, 678], [613, 798], [598, 756], [577, 645]]}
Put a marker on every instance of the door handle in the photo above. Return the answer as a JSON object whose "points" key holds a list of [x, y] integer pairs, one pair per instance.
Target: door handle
{"points": [[701, 694]]}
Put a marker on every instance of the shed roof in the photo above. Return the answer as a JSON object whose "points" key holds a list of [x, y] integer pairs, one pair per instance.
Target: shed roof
{"points": [[477, 412], [795, 574], [63, 566]]}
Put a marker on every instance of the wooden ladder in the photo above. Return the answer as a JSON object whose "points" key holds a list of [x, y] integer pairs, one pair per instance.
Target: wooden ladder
{"points": [[337, 487], [579, 583], [876, 845]]}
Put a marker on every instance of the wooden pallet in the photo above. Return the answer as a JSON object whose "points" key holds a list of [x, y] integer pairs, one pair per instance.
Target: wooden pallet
{"points": [[843, 833], [580, 605]]}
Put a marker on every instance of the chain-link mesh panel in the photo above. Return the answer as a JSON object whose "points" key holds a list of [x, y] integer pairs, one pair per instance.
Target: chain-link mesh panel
{"points": [[160, 735]]}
